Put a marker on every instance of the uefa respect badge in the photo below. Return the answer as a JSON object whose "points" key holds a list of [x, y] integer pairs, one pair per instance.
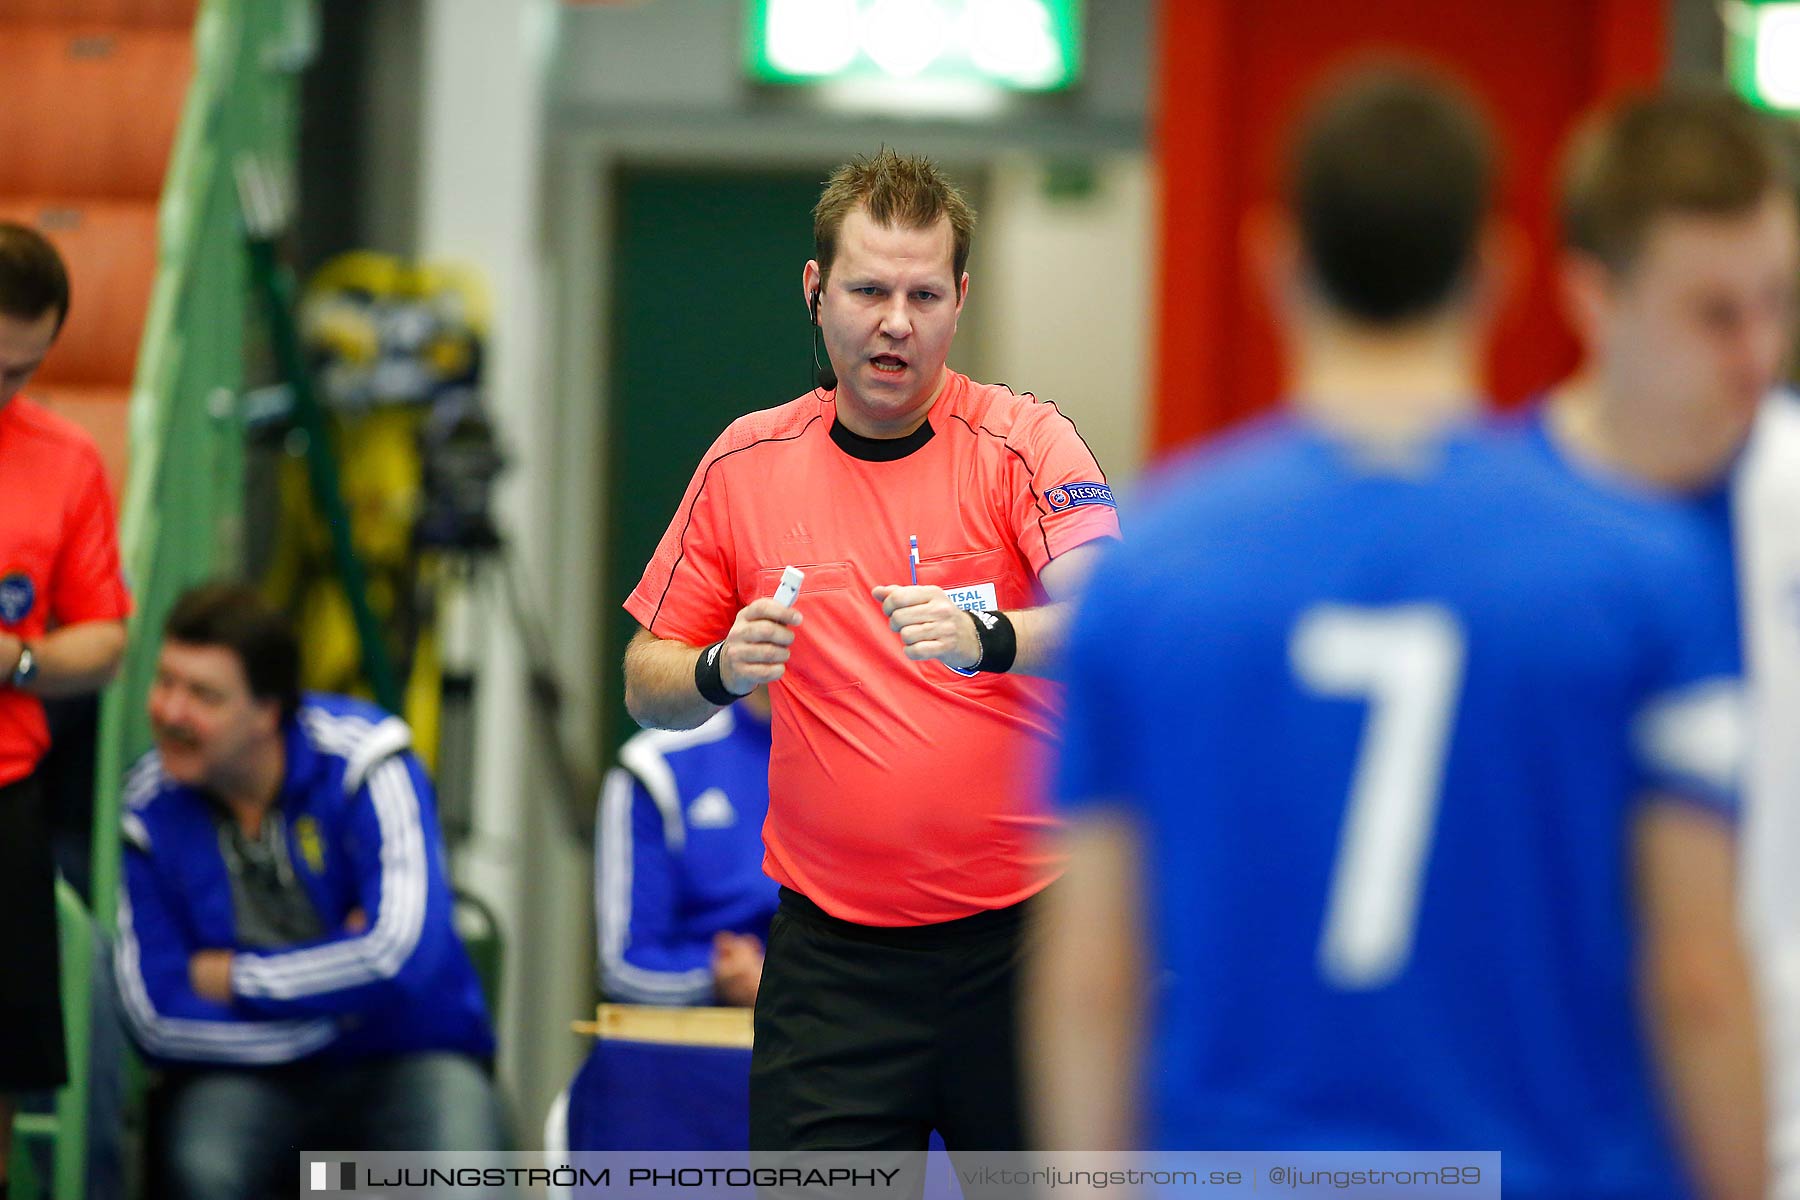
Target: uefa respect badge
{"points": [[1076, 495], [18, 595]]}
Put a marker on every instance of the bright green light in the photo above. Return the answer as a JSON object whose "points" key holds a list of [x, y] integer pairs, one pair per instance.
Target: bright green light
{"points": [[809, 38], [1015, 40], [1763, 51], [1025, 45]]}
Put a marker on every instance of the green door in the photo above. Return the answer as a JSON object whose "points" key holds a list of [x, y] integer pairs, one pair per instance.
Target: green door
{"points": [[708, 324]]}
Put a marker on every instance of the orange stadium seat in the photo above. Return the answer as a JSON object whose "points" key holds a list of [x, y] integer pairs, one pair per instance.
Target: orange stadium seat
{"points": [[173, 14], [90, 110], [110, 250]]}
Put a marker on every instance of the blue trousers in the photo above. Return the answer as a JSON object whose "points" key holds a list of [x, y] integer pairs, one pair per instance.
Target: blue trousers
{"points": [[237, 1134]]}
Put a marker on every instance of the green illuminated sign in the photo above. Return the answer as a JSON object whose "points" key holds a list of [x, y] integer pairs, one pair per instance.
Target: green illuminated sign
{"points": [[1762, 51], [1022, 45]]}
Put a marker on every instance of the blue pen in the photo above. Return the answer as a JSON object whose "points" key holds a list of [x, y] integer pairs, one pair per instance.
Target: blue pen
{"points": [[913, 558]]}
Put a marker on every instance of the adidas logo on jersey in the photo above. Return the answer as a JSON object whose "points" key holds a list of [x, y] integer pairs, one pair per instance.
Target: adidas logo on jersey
{"points": [[711, 809]]}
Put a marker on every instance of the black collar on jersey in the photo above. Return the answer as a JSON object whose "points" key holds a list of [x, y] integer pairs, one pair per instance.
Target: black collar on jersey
{"points": [[879, 449]]}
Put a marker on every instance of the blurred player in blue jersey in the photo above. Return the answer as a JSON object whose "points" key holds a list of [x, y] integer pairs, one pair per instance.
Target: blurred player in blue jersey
{"points": [[1682, 263], [682, 901], [1400, 768]]}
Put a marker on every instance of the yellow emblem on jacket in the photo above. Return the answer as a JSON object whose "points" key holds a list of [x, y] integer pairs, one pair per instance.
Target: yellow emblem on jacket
{"points": [[312, 847]]}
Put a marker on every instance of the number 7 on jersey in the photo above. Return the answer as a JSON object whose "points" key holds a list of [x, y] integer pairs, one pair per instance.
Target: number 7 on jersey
{"points": [[1406, 663]]}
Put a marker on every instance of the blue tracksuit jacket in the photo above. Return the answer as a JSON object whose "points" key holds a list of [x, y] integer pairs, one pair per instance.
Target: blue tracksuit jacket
{"points": [[362, 833]]}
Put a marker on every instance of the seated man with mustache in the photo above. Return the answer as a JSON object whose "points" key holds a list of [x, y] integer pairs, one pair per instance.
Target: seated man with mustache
{"points": [[285, 944]]}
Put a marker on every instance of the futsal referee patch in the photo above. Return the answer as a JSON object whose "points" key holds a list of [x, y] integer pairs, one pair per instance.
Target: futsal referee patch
{"points": [[974, 597], [1074, 495]]}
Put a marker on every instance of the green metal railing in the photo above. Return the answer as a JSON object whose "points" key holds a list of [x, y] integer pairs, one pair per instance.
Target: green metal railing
{"points": [[182, 518], [182, 515], [66, 1124]]}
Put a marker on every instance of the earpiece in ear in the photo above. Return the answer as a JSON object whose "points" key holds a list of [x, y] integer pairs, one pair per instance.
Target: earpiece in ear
{"points": [[824, 376]]}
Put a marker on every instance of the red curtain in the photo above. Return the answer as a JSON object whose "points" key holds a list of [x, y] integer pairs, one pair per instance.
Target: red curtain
{"points": [[1234, 78]]}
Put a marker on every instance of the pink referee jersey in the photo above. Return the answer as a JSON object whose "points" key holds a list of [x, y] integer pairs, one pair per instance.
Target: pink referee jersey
{"points": [[900, 792], [59, 554]]}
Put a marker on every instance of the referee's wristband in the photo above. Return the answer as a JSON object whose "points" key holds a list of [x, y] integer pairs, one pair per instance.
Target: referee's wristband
{"points": [[709, 676], [999, 642]]}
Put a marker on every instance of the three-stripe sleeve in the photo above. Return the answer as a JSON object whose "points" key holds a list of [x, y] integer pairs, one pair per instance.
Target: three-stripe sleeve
{"points": [[394, 852], [644, 957], [167, 1018]]}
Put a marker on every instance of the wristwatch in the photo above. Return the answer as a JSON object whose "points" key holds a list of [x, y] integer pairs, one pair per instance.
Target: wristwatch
{"points": [[27, 669]]}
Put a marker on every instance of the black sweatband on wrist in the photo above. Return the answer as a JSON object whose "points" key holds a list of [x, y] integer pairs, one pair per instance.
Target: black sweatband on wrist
{"points": [[999, 643], [709, 676]]}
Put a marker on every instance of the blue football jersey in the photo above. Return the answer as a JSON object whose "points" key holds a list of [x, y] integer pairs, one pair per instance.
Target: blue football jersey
{"points": [[678, 856], [1384, 718], [1710, 508]]}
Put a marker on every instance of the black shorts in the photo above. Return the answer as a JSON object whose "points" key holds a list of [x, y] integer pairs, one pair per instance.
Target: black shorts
{"points": [[868, 1038], [31, 1025]]}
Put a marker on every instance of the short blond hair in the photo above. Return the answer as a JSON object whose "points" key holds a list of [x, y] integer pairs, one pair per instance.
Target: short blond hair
{"points": [[894, 189], [1693, 149]]}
